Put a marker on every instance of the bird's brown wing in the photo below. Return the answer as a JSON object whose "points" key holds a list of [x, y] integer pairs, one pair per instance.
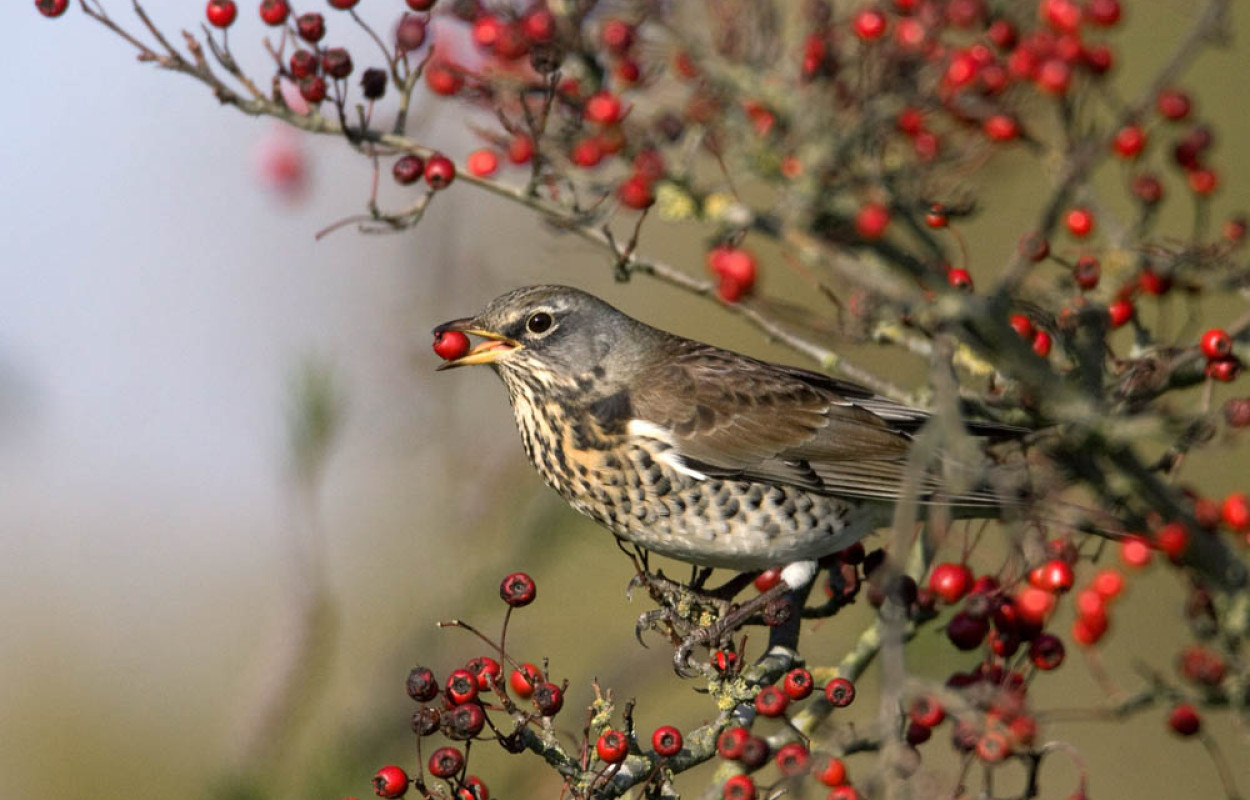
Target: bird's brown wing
{"points": [[731, 416]]}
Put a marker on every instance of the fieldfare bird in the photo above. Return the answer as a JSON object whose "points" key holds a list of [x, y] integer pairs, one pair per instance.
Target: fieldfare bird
{"points": [[694, 452]]}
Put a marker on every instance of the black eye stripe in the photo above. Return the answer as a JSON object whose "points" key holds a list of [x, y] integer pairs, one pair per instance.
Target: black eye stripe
{"points": [[539, 322]]}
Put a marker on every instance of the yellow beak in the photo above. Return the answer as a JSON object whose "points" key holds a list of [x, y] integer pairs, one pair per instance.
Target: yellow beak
{"points": [[496, 345]]}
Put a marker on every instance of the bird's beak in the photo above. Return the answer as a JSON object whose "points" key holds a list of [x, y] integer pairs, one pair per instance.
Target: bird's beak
{"points": [[495, 345]]}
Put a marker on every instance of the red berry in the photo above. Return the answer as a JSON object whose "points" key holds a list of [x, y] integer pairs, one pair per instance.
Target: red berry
{"points": [[1022, 325], [410, 33], [1001, 128], [539, 24], [739, 787], [871, 221], [612, 747], [737, 265], [439, 171], [343, 5], [603, 107], [1088, 631], [910, 121], [927, 710], [486, 31], [274, 12], [869, 24], [446, 762], [518, 590], [304, 64], [936, 216], [1053, 576], [840, 692], [1184, 720], [449, 345], [520, 149], [484, 668], [587, 152], [1054, 76], [421, 5], [617, 35], [792, 759], [443, 79], [474, 789], [483, 163], [1235, 510], [1080, 222], [1087, 272], [843, 792], [221, 13], [1042, 343], [1062, 15], [771, 701], [390, 781], [1203, 181], [1147, 189], [549, 699], [798, 683], [1173, 104], [730, 743], [951, 581], [461, 687], [407, 170], [1032, 605], [1129, 141], [524, 680], [666, 741], [1216, 344], [1224, 370], [51, 8], [1135, 552], [1103, 12], [635, 192], [1173, 540], [829, 770], [1121, 311], [311, 27], [1108, 584], [313, 89], [725, 661], [959, 278]]}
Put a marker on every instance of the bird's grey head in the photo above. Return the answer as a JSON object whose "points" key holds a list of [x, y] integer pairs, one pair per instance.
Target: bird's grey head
{"points": [[555, 332]]}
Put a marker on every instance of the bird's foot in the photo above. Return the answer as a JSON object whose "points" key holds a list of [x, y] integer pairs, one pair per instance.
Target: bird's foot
{"points": [[773, 605]]}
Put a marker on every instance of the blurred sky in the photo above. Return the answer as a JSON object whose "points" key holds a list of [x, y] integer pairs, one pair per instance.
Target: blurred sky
{"points": [[155, 302]]}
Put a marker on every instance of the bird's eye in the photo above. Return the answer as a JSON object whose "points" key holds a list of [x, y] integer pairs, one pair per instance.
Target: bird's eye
{"points": [[539, 322]]}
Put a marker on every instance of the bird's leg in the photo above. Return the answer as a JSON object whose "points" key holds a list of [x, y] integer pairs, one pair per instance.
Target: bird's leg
{"points": [[782, 602]]}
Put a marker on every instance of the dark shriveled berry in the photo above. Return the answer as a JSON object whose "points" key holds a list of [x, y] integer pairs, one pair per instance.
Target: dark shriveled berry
{"points": [[336, 62], [408, 169], [422, 684], [426, 721], [755, 752], [463, 722], [549, 699], [410, 33], [373, 83]]}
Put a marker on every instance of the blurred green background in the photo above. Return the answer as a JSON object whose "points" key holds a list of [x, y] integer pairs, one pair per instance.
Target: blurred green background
{"points": [[159, 305]]}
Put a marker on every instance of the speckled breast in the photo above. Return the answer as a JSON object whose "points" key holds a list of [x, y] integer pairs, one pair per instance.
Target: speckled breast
{"points": [[626, 483]]}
